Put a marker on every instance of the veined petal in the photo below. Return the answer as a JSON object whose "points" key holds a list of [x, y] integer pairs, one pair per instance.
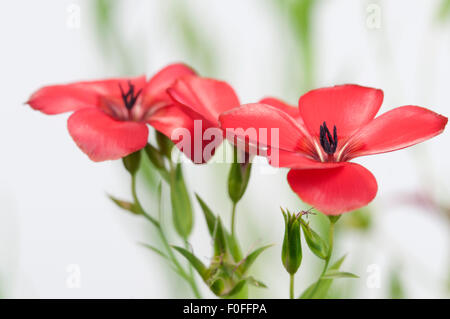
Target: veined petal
{"points": [[206, 97], [399, 128], [265, 125], [298, 160], [103, 138], [335, 190], [173, 122], [289, 109], [55, 99], [349, 107]]}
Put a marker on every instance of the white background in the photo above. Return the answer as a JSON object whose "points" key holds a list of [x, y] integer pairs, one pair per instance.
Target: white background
{"points": [[53, 206]]}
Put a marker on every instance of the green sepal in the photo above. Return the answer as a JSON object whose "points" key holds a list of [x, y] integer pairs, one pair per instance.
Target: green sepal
{"points": [[209, 215], [316, 244], [132, 162], [220, 244], [165, 145], [155, 156]]}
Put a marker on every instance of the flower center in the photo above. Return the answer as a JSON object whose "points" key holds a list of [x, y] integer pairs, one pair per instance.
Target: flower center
{"points": [[129, 98], [328, 142]]}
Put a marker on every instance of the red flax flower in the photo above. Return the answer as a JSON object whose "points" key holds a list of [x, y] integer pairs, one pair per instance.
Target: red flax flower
{"points": [[331, 127], [110, 116]]}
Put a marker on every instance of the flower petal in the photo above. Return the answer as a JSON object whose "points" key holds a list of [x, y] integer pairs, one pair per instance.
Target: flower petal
{"points": [[57, 99], [156, 89], [399, 128], [335, 190], [258, 124], [298, 161], [349, 107], [207, 97], [289, 109], [177, 124], [103, 138]]}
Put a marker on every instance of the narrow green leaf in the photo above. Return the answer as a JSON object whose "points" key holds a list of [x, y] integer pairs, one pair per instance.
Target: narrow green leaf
{"points": [[193, 260], [323, 284], [154, 249], [334, 274], [209, 215], [396, 290], [181, 203], [252, 281], [233, 247], [125, 205], [250, 259]]}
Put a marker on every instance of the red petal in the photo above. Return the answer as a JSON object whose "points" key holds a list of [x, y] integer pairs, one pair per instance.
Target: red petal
{"points": [[262, 119], [103, 138], [298, 161], [289, 109], [169, 119], [206, 97], [399, 128], [336, 190], [349, 107], [156, 88], [57, 99]]}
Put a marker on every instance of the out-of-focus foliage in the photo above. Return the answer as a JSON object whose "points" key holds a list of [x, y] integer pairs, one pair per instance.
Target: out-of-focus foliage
{"points": [[444, 10], [299, 15], [359, 219], [396, 290], [191, 37], [112, 45]]}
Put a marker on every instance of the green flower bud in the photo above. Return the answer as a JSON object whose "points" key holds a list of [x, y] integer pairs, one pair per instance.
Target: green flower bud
{"points": [[239, 176], [181, 203], [291, 254]]}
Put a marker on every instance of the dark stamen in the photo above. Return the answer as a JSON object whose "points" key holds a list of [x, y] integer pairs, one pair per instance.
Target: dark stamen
{"points": [[129, 99], [328, 142]]}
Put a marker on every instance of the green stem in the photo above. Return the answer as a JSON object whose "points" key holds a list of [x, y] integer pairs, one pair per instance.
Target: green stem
{"points": [[233, 217], [291, 286], [189, 278], [327, 259]]}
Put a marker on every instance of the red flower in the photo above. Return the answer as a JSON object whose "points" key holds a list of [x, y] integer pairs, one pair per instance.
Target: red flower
{"points": [[110, 116], [332, 126], [202, 100]]}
